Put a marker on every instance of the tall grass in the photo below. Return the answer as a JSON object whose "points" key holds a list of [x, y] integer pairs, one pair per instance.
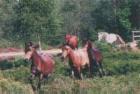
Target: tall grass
{"points": [[122, 68], [13, 87], [129, 84]]}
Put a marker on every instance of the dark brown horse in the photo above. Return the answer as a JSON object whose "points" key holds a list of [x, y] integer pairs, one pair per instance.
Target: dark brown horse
{"points": [[71, 40], [95, 58], [42, 64]]}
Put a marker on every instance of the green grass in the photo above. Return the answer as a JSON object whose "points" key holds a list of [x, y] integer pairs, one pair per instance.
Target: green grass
{"points": [[122, 68], [129, 84]]}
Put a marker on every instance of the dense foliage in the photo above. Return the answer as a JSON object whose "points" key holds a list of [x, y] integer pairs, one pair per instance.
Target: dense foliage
{"points": [[49, 20]]}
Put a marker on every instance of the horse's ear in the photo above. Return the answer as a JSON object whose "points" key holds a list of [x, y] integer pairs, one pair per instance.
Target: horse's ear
{"points": [[28, 44]]}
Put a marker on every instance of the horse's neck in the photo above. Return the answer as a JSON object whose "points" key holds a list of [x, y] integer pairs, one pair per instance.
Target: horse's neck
{"points": [[36, 58], [75, 54], [90, 53], [71, 55]]}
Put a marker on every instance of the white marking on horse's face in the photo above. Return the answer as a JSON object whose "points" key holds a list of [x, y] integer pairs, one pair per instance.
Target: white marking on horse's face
{"points": [[29, 54]]}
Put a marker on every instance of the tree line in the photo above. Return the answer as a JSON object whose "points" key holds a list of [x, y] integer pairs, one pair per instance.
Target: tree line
{"points": [[49, 20]]}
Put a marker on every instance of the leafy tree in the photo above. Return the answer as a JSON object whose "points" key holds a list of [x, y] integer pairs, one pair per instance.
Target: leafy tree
{"points": [[135, 14], [113, 16], [36, 19], [7, 13], [77, 18], [49, 20]]}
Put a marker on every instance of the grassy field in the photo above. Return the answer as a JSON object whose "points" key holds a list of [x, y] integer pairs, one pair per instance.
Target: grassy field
{"points": [[122, 69]]}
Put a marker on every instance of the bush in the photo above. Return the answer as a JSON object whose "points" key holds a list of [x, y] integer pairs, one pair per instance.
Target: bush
{"points": [[120, 55], [10, 64], [16, 70], [121, 63], [103, 46]]}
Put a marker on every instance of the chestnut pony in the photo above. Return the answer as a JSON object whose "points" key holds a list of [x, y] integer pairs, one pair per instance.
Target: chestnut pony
{"points": [[95, 58], [42, 64], [78, 59], [71, 40]]}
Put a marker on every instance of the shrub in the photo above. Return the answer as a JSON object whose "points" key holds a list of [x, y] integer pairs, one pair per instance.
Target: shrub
{"points": [[10, 64], [103, 46], [121, 67]]}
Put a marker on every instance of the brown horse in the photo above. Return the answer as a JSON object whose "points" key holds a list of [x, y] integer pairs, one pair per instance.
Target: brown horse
{"points": [[71, 40], [78, 59], [42, 64], [95, 58]]}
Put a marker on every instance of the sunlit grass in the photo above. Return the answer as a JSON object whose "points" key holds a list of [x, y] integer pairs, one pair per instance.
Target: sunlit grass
{"points": [[123, 77]]}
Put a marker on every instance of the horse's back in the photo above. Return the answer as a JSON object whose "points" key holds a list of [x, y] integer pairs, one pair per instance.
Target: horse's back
{"points": [[110, 38]]}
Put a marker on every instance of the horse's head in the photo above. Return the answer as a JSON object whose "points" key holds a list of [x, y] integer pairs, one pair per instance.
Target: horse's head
{"points": [[30, 48], [67, 37], [65, 51], [89, 44]]}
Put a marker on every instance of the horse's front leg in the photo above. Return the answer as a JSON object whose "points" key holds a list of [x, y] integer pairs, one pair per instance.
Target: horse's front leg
{"points": [[81, 76], [90, 70], [31, 81], [102, 69], [40, 80], [72, 73], [99, 69], [80, 73]]}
